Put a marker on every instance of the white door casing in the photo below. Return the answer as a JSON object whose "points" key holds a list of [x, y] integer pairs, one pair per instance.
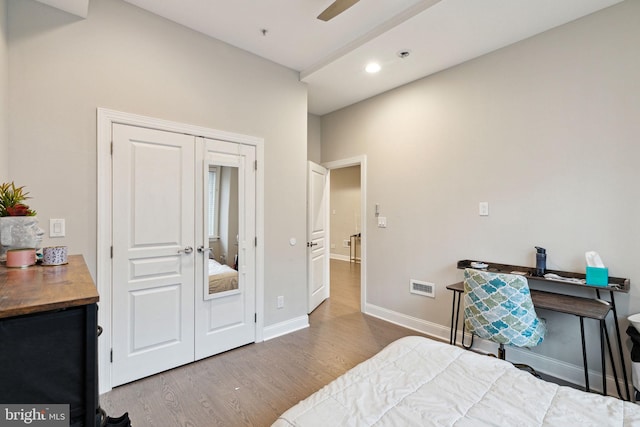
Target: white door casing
{"points": [[106, 224], [153, 259], [317, 226], [226, 320], [162, 318], [362, 162]]}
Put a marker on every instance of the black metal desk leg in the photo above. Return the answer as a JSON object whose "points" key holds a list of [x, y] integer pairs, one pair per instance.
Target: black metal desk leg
{"points": [[619, 343], [455, 334], [584, 355], [454, 326], [455, 317], [613, 364], [603, 327], [615, 323], [471, 343]]}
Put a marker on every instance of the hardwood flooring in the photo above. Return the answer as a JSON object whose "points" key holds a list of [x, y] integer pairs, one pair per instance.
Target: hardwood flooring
{"points": [[254, 384]]}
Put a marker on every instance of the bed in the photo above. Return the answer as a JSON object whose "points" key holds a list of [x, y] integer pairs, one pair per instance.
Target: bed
{"points": [[221, 277], [416, 381]]}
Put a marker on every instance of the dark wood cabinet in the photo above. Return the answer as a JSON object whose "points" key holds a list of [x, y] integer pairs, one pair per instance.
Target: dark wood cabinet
{"points": [[49, 337]]}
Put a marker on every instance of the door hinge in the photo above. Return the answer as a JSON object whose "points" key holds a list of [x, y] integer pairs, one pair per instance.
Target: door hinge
{"points": [[255, 165], [255, 242], [111, 356], [112, 148], [111, 252], [255, 317]]}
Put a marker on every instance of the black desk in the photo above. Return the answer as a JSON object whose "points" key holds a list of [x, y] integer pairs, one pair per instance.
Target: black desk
{"points": [[49, 338], [581, 307]]}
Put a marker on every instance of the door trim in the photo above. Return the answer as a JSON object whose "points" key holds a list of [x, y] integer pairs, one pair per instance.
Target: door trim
{"points": [[105, 119], [362, 162]]}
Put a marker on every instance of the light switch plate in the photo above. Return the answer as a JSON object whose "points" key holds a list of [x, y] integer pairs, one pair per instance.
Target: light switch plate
{"points": [[382, 222], [483, 208], [56, 228]]}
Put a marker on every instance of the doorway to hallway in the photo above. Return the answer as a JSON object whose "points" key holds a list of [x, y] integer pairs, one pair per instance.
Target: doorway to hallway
{"points": [[348, 220], [355, 218]]}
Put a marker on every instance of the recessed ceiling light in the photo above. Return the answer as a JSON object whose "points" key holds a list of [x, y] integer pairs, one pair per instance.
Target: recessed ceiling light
{"points": [[372, 67]]}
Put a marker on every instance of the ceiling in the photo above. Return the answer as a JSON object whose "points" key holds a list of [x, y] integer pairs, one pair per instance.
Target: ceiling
{"points": [[331, 56]]}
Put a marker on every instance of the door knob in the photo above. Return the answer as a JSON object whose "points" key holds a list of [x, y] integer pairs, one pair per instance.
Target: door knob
{"points": [[186, 250], [311, 244], [202, 249]]}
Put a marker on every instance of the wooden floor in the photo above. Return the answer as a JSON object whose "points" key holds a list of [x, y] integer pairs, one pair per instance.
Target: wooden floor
{"points": [[253, 385]]}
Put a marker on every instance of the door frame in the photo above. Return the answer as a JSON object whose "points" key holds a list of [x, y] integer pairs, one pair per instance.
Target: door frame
{"points": [[105, 120], [362, 162]]}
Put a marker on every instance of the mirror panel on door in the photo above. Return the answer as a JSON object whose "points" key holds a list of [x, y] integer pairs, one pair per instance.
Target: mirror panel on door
{"points": [[222, 228]]}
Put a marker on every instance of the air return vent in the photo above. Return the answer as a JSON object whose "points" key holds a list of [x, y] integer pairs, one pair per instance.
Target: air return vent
{"points": [[422, 288]]}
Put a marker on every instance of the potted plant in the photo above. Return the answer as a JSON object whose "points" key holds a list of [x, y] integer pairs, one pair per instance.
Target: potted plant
{"points": [[11, 201], [18, 223]]}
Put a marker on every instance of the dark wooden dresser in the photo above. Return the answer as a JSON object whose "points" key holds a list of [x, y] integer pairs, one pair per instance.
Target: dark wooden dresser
{"points": [[49, 338]]}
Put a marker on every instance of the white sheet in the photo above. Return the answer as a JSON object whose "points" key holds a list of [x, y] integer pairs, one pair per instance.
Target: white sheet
{"points": [[420, 382], [221, 277], [216, 268]]}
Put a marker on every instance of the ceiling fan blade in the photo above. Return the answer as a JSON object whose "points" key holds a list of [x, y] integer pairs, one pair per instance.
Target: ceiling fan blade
{"points": [[336, 8]]}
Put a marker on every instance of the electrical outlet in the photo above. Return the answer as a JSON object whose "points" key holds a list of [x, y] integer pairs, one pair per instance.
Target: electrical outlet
{"points": [[280, 301]]}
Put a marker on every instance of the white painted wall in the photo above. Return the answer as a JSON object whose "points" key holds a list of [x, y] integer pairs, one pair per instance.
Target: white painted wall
{"points": [[4, 94], [61, 68], [545, 130], [314, 138]]}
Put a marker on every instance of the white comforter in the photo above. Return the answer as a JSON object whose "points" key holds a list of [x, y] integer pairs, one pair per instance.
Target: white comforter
{"points": [[420, 382]]}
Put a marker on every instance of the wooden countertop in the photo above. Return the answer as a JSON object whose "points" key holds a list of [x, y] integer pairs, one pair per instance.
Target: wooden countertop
{"points": [[43, 288]]}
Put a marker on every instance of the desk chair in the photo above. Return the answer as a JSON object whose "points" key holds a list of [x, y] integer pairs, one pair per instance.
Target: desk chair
{"points": [[498, 307]]}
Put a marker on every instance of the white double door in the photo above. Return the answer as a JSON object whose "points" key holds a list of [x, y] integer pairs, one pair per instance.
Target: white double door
{"points": [[162, 314]]}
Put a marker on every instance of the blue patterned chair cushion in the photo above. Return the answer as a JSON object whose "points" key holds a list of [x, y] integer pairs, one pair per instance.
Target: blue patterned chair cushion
{"points": [[498, 307]]}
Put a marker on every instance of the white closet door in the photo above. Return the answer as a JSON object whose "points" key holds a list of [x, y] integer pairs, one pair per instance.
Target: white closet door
{"points": [[153, 256], [225, 311]]}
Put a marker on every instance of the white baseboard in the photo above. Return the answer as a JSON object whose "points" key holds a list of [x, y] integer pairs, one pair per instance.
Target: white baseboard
{"points": [[573, 374], [340, 257], [283, 328], [428, 328]]}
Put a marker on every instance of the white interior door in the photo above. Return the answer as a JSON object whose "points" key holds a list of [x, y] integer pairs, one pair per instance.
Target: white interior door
{"points": [[317, 226], [153, 259], [225, 303]]}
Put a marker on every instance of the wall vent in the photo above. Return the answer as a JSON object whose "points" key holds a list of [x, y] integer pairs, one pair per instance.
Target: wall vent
{"points": [[422, 288]]}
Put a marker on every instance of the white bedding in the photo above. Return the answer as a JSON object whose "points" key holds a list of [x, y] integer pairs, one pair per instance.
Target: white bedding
{"points": [[420, 382], [221, 277]]}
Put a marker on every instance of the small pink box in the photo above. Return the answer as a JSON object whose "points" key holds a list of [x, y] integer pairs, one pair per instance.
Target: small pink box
{"points": [[21, 257]]}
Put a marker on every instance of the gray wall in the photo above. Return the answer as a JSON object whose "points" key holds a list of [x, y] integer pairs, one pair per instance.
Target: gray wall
{"points": [[4, 94], [314, 138], [545, 130], [61, 68]]}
